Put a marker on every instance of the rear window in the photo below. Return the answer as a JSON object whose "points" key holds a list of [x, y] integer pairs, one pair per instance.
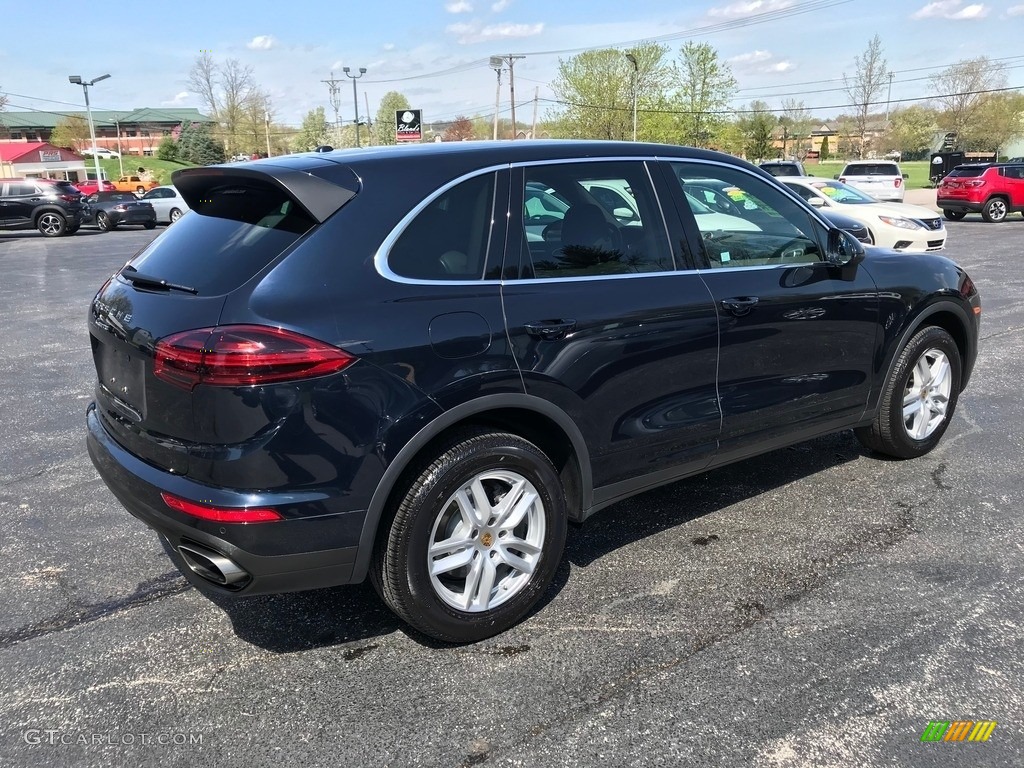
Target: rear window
{"points": [[872, 169], [782, 169], [966, 171], [234, 233]]}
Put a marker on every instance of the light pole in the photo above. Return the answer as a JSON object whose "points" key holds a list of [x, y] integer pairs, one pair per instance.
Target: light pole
{"points": [[636, 75], [77, 80], [497, 62], [355, 96]]}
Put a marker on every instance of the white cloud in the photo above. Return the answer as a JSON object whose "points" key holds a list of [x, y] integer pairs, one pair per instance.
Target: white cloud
{"points": [[749, 7], [1015, 10], [951, 9], [754, 57], [501, 5], [458, 6], [261, 43], [474, 33], [388, 46], [781, 66], [177, 101]]}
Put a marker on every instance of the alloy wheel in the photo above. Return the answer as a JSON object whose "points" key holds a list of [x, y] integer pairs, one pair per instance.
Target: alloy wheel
{"points": [[926, 397]]}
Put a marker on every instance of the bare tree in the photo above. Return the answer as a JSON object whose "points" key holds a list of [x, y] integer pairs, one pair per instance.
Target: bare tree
{"points": [[869, 78], [460, 130], [705, 85], [225, 90], [959, 91], [796, 122]]}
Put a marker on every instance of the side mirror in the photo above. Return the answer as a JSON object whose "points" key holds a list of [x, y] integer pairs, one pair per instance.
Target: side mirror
{"points": [[817, 202], [906, 175], [623, 213], [843, 249], [836, 176]]}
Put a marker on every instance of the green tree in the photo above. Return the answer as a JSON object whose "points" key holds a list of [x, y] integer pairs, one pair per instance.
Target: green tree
{"points": [[958, 92], [912, 130], [870, 76], [757, 125], [392, 102], [704, 86], [314, 131], [198, 147], [168, 149], [1000, 119], [71, 132], [823, 154]]}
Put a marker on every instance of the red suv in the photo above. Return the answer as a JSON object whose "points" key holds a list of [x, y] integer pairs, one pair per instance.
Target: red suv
{"points": [[992, 189]]}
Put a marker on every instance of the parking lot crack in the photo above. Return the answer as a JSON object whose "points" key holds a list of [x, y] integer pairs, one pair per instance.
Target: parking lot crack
{"points": [[149, 591]]}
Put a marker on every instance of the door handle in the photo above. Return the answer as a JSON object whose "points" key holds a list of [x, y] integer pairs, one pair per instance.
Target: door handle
{"points": [[550, 330], [739, 305]]}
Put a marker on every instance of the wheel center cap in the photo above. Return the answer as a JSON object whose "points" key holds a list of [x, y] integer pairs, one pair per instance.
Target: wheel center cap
{"points": [[487, 539]]}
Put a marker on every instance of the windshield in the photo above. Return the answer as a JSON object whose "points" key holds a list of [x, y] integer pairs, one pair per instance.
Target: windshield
{"points": [[839, 192]]}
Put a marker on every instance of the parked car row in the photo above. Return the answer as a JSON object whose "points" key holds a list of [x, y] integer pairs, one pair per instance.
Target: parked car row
{"points": [[57, 208]]}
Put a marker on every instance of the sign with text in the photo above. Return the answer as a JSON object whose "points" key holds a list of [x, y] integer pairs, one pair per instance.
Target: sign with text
{"points": [[49, 155], [408, 125]]}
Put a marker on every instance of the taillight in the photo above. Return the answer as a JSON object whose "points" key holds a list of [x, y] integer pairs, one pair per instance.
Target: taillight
{"points": [[898, 182], [222, 514], [120, 208], [975, 183], [70, 198], [243, 355]]}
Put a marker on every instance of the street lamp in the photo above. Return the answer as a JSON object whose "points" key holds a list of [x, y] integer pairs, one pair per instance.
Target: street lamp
{"points": [[77, 80], [355, 95], [636, 73]]}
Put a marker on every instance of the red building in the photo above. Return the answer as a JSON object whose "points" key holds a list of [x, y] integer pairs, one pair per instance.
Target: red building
{"points": [[38, 159]]}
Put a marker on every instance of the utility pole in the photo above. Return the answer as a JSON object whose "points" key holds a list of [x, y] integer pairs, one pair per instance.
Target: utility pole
{"points": [[497, 64], [636, 76], [511, 59], [888, 99], [267, 127], [355, 96], [369, 124], [536, 98], [334, 86]]}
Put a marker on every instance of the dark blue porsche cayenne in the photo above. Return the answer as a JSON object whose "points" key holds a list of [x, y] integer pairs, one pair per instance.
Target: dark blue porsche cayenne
{"points": [[420, 363]]}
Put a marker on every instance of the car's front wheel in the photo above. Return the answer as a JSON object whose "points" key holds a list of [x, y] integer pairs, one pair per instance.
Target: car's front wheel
{"points": [[175, 215], [475, 540], [51, 224], [995, 210], [919, 397], [104, 223], [953, 215]]}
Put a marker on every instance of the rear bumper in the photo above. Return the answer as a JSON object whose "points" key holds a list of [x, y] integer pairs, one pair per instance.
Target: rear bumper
{"points": [[297, 553], [959, 204]]}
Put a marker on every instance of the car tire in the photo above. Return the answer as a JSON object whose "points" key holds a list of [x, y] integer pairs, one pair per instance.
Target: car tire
{"points": [[72, 228], [174, 215], [140, 191], [150, 225], [51, 224], [919, 397], [454, 562], [953, 215], [104, 223], [994, 210]]}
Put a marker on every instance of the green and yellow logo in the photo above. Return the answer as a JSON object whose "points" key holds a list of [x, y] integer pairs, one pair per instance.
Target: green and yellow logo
{"points": [[958, 730]]}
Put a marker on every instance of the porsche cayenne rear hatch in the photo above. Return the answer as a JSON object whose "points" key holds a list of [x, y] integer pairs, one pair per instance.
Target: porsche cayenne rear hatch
{"points": [[154, 324]]}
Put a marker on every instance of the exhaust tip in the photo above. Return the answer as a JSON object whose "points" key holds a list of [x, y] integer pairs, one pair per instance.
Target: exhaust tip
{"points": [[213, 566]]}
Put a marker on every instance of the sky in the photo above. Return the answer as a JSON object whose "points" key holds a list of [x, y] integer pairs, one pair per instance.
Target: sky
{"points": [[436, 51]]}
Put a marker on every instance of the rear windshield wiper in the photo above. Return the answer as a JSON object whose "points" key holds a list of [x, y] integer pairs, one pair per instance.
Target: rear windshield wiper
{"points": [[135, 277]]}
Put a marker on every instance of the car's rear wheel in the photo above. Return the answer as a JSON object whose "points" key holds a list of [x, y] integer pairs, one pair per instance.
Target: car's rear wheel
{"points": [[140, 191], [175, 215], [953, 215], [995, 210], [150, 225], [104, 223], [476, 538], [51, 224], [919, 397]]}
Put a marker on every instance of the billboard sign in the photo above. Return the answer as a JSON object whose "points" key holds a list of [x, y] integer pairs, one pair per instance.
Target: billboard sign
{"points": [[408, 125]]}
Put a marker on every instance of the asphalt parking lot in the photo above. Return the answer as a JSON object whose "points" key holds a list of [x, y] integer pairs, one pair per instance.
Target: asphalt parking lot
{"points": [[813, 607]]}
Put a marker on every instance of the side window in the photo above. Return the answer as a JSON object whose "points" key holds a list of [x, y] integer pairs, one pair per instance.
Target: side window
{"points": [[591, 219], [449, 238], [745, 221], [21, 189]]}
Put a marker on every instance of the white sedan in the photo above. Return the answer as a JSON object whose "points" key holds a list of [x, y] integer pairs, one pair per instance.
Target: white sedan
{"points": [[168, 203], [900, 226], [100, 152]]}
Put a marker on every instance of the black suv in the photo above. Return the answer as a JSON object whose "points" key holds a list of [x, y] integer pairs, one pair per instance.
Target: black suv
{"points": [[420, 363], [53, 207]]}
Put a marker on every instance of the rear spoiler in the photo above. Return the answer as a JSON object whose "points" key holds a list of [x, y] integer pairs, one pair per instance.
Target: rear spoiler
{"points": [[319, 186]]}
